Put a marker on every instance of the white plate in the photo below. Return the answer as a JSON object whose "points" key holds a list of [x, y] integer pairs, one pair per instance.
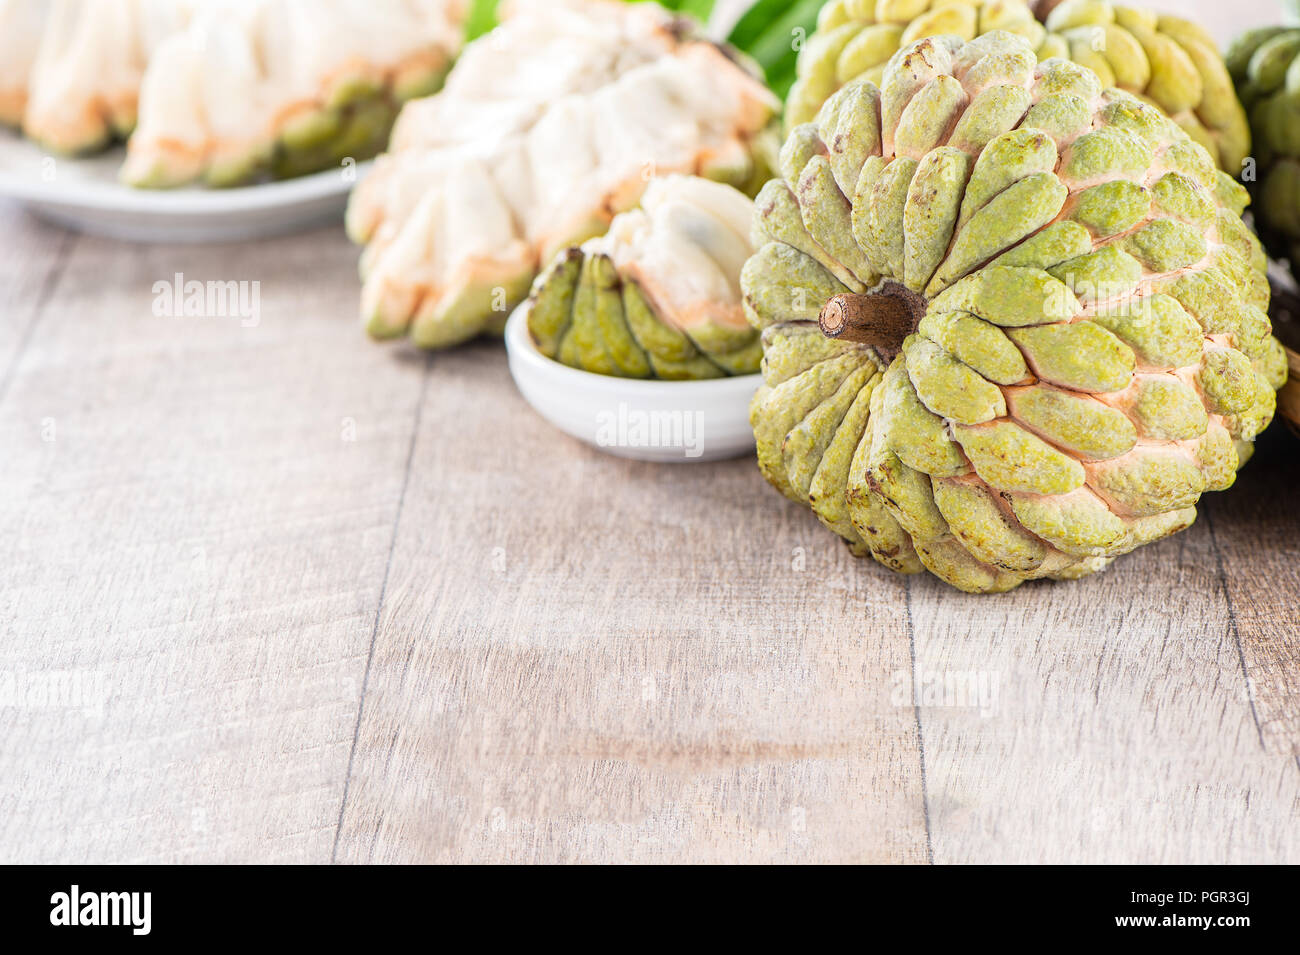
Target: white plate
{"points": [[84, 194], [665, 421]]}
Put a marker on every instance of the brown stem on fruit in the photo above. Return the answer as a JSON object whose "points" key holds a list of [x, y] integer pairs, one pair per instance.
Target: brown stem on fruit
{"points": [[1043, 8], [881, 318]]}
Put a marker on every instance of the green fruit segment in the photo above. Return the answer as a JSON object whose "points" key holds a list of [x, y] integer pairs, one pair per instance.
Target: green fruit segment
{"points": [[1162, 59], [1074, 422], [977, 344], [1168, 410], [985, 529], [1112, 207], [916, 434], [826, 215], [827, 493], [790, 350], [552, 308], [584, 346], [775, 411], [662, 342], [1081, 356], [930, 213], [1018, 211], [953, 390], [1011, 297], [1151, 482], [1009, 458], [1158, 329], [1079, 524], [805, 445], [785, 285]]}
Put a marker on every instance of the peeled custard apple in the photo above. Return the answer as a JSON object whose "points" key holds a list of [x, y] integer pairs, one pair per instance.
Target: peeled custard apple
{"points": [[1164, 59], [72, 69], [21, 22], [220, 91], [548, 127], [285, 87], [658, 296], [1004, 343]]}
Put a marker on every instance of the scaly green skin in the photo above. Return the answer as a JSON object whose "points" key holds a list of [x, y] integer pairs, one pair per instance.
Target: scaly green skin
{"points": [[583, 313], [1265, 65], [1164, 59], [1093, 355]]}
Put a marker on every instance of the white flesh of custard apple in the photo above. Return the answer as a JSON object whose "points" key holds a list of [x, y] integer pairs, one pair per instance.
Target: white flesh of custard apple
{"points": [[547, 128]]}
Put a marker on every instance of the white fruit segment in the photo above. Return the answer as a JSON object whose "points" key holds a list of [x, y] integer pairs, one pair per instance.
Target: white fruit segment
{"points": [[219, 90], [250, 74], [547, 128], [685, 247], [21, 22], [83, 85]]}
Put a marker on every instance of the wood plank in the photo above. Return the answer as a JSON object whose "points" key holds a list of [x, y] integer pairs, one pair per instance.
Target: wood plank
{"points": [[586, 659], [35, 255], [1255, 530], [196, 517], [1122, 730]]}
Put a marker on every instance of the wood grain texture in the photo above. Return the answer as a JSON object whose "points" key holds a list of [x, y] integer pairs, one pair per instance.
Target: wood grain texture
{"points": [[195, 517], [586, 659], [29, 271], [1255, 531], [327, 600], [1121, 728]]}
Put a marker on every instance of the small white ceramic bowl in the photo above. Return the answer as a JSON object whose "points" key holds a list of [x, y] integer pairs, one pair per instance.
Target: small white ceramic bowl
{"points": [[666, 421]]}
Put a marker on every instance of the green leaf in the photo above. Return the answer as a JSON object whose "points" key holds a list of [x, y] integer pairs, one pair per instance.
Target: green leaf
{"points": [[482, 19], [767, 33], [754, 21], [699, 9]]}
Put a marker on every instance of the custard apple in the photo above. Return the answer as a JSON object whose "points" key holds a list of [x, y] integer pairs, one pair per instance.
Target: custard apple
{"points": [[489, 179], [220, 91], [658, 296], [1164, 59], [21, 22], [1265, 65], [72, 69], [1013, 324]]}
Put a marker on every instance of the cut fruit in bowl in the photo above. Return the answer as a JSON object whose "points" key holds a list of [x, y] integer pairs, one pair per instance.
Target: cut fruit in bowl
{"points": [[657, 296], [662, 421]]}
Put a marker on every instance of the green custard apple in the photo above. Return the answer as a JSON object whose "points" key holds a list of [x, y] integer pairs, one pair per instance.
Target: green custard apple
{"points": [[1164, 59], [658, 296], [1013, 324], [1265, 65]]}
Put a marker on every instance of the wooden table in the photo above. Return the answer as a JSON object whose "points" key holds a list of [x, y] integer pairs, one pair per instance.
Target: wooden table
{"points": [[275, 593]]}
